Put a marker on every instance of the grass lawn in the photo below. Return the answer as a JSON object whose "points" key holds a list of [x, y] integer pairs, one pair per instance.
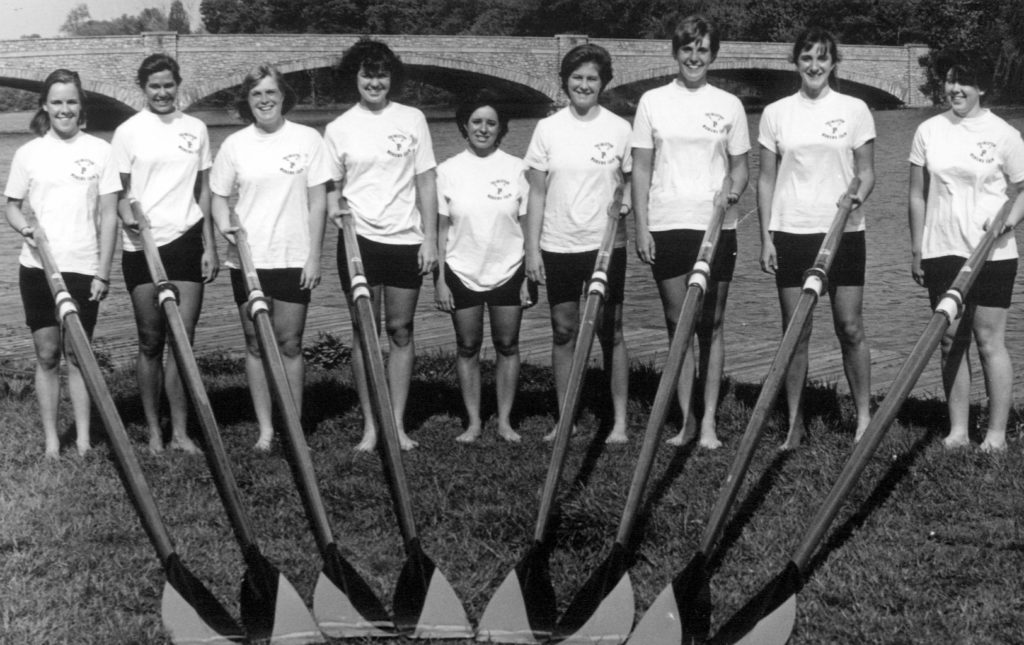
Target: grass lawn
{"points": [[929, 548]]}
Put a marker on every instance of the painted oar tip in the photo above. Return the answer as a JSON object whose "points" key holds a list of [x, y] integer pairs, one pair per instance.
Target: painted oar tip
{"points": [[338, 617], [442, 614], [610, 622], [192, 620], [768, 617], [506, 618]]}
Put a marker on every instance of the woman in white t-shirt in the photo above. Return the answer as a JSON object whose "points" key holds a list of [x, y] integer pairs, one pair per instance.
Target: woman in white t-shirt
{"points": [[164, 159], [481, 200], [813, 143], [280, 172], [688, 136], [575, 160], [71, 184], [962, 163], [383, 174]]}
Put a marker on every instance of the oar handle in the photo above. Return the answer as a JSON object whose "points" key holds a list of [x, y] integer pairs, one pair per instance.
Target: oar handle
{"points": [[596, 291], [816, 277], [128, 466], [150, 249], [380, 394], [682, 337], [949, 308], [301, 461]]}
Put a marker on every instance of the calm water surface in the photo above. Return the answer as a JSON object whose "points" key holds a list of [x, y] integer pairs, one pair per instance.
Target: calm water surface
{"points": [[896, 309]]}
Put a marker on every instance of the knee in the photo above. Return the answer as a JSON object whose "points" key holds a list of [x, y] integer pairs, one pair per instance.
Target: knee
{"points": [[562, 334], [506, 347], [151, 345], [400, 333], [48, 356], [850, 333], [468, 348], [291, 347]]}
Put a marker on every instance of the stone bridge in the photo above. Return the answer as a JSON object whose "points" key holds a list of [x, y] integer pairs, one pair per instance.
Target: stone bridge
{"points": [[520, 69]]}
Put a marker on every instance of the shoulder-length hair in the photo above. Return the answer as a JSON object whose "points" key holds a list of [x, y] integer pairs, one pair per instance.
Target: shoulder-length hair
{"points": [[41, 119], [808, 39], [252, 79]]}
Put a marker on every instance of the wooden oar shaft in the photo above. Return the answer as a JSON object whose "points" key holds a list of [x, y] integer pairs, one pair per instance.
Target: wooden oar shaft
{"points": [[574, 384], [128, 466], [301, 462], [380, 393], [949, 308], [215, 453], [777, 371]]}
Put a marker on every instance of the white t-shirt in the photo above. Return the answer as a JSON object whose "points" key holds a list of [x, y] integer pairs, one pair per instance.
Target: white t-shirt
{"points": [[693, 133], [378, 155], [62, 181], [582, 160], [272, 173], [484, 198], [968, 162], [163, 154], [816, 139]]}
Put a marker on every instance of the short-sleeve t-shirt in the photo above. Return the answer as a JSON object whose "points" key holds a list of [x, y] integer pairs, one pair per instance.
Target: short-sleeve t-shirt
{"points": [[968, 162], [582, 160], [693, 133], [62, 181], [816, 140], [377, 156], [164, 154], [484, 198], [272, 173]]}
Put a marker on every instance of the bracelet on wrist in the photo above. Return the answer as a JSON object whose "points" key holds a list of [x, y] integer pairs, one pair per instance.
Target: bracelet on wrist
{"points": [[732, 198], [103, 280], [23, 229]]}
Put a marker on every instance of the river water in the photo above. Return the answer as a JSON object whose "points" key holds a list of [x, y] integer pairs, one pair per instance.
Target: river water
{"points": [[896, 309]]}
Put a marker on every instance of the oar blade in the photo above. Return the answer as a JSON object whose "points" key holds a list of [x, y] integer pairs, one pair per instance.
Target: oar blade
{"points": [[344, 604], [768, 618], [603, 610], [190, 613], [272, 610], [522, 610], [425, 605], [682, 611]]}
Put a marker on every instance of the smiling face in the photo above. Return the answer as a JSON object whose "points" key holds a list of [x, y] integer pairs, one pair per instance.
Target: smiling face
{"points": [[815, 65], [965, 99], [161, 92], [584, 87], [266, 101], [373, 88], [694, 58], [482, 130], [64, 107]]}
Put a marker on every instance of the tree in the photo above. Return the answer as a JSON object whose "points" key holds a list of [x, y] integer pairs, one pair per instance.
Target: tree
{"points": [[77, 17], [177, 19]]}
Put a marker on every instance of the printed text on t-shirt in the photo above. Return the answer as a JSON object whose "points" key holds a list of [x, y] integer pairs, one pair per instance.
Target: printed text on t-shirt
{"points": [[604, 155], [835, 129]]}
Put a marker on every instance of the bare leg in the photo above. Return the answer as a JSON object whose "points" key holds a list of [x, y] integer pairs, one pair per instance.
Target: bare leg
{"points": [[616, 366], [505, 322], [149, 362], [80, 401], [369, 439], [956, 378], [989, 334], [564, 326], [673, 292], [400, 307], [469, 329], [47, 384], [711, 333], [848, 319], [189, 304], [796, 376]]}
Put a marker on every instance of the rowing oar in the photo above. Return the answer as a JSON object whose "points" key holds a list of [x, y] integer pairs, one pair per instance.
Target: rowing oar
{"points": [[769, 617], [425, 605], [603, 609], [190, 613], [344, 604], [524, 608], [271, 608], [682, 611]]}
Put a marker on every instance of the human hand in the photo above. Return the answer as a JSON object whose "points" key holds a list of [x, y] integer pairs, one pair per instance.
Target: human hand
{"points": [[645, 246], [535, 267], [210, 265], [769, 261]]}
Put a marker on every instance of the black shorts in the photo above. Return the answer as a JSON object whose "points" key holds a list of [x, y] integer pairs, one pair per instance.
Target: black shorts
{"points": [[675, 252], [392, 265], [40, 308], [182, 260], [992, 288], [568, 273], [504, 295], [277, 284], [796, 252]]}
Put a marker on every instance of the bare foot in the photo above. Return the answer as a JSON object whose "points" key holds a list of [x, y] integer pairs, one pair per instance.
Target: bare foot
{"points": [[52, 454], [405, 442], [185, 445], [156, 444], [994, 443], [618, 434], [83, 449], [549, 437], [956, 440], [471, 434], [796, 434], [369, 440], [506, 432], [710, 441], [263, 444]]}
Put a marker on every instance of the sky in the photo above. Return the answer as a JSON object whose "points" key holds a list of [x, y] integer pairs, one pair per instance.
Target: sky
{"points": [[44, 17]]}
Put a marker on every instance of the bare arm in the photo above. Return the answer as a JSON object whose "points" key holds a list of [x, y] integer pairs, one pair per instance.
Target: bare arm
{"points": [[765, 192], [211, 263], [107, 241], [918, 198], [442, 294], [739, 173], [534, 223], [643, 165], [864, 160], [426, 197], [221, 212], [16, 218], [317, 197]]}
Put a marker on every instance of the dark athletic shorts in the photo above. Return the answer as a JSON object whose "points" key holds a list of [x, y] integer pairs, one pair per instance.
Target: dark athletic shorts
{"points": [[568, 274], [182, 259], [992, 288], [675, 252], [392, 265], [795, 254], [277, 284], [504, 295], [40, 308]]}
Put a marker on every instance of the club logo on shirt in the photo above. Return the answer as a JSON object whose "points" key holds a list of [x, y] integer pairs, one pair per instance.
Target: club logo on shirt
{"points": [[293, 164], [985, 152], [500, 190], [835, 129], [604, 154], [401, 145], [188, 142], [84, 170], [714, 123]]}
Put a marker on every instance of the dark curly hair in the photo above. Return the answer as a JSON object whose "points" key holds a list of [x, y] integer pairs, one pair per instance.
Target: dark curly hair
{"points": [[376, 58], [157, 63], [468, 107]]}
